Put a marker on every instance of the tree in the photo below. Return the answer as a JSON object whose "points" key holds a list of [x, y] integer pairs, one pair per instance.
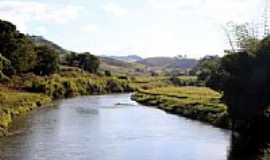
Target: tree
{"points": [[71, 58], [88, 62], [47, 61], [23, 59], [4, 65], [244, 78], [8, 37], [16, 47], [85, 61], [207, 69], [242, 37], [107, 73]]}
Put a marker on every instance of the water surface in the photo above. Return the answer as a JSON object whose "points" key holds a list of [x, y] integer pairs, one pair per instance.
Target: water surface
{"points": [[112, 127]]}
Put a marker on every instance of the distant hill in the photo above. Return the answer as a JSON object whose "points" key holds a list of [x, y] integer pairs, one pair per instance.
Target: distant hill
{"points": [[136, 65], [169, 62], [121, 67], [131, 64], [41, 41], [129, 58]]}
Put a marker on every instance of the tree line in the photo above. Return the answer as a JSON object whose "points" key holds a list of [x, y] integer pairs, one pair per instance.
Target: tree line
{"points": [[243, 77], [19, 55]]}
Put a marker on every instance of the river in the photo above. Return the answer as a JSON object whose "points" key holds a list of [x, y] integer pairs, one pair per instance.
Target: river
{"points": [[111, 127]]}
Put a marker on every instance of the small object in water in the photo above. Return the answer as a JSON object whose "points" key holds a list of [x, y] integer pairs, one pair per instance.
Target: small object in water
{"points": [[83, 110], [124, 104]]}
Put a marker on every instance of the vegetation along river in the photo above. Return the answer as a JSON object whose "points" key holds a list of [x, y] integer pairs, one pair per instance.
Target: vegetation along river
{"points": [[111, 127]]}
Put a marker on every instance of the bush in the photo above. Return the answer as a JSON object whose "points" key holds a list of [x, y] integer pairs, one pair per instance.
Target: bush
{"points": [[108, 73], [85, 61], [70, 85]]}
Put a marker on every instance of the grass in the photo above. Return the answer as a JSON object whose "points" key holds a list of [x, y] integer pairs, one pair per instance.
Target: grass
{"points": [[199, 103], [14, 103], [149, 82], [186, 81], [187, 78], [188, 95]]}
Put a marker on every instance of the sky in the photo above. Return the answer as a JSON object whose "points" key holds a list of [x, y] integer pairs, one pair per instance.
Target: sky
{"points": [[122, 27]]}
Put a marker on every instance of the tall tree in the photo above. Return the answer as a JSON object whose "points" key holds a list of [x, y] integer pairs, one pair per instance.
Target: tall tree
{"points": [[16, 47], [88, 62], [47, 61]]}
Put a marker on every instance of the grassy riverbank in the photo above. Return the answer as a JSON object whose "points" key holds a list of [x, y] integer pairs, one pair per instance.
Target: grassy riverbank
{"points": [[27, 92], [70, 84], [14, 103], [198, 103]]}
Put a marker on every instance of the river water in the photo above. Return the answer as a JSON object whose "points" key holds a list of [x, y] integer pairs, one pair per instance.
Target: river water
{"points": [[111, 127]]}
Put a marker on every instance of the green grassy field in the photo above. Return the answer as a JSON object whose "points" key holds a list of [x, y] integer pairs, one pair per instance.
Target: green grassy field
{"points": [[149, 82], [187, 78], [199, 103], [14, 103]]}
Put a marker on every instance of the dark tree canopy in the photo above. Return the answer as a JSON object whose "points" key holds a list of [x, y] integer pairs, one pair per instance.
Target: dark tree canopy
{"points": [[25, 56], [107, 73], [88, 62], [207, 69], [47, 61], [8, 37], [85, 61], [16, 47], [244, 80], [4, 63]]}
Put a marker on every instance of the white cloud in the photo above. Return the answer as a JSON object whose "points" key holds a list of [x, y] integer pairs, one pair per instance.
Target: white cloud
{"points": [[22, 13], [89, 28], [115, 9]]}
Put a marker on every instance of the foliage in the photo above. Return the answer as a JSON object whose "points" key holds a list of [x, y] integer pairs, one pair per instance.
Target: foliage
{"points": [[243, 37], [244, 80], [185, 81], [3, 77], [4, 63], [71, 84], [207, 68], [16, 47], [88, 62], [193, 102], [85, 61], [148, 82], [14, 103], [246, 37], [107, 73], [47, 61]]}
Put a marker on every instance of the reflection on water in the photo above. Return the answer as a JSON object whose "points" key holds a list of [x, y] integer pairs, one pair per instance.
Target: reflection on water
{"points": [[112, 128], [85, 110], [245, 147]]}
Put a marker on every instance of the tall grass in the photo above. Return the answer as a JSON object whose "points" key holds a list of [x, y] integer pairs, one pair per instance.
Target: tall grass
{"points": [[13, 103], [199, 103]]}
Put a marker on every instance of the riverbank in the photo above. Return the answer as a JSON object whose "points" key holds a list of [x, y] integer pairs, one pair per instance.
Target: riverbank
{"points": [[25, 93], [14, 103], [198, 103]]}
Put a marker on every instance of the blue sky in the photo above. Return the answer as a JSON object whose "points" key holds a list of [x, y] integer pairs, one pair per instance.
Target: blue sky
{"points": [[144, 27]]}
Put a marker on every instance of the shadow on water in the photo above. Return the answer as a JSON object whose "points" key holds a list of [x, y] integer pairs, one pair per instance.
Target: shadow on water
{"points": [[246, 147]]}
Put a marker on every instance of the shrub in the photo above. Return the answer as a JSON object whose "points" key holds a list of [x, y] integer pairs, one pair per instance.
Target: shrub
{"points": [[108, 73]]}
